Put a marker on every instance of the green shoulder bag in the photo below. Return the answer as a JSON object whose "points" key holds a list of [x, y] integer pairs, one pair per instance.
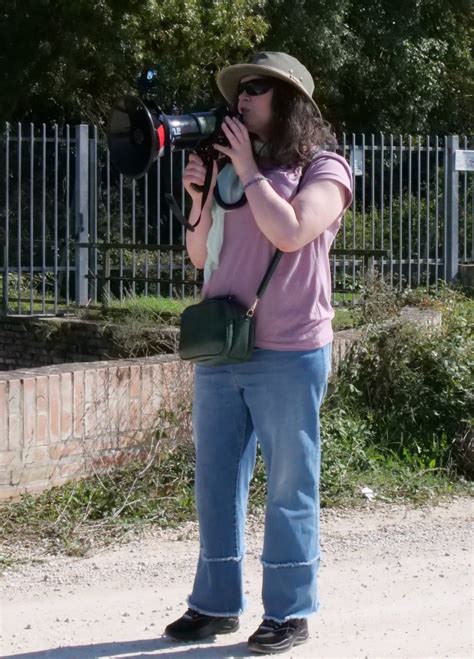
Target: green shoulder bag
{"points": [[220, 330]]}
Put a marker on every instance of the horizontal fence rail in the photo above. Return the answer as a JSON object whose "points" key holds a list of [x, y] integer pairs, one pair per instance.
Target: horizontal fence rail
{"points": [[74, 232]]}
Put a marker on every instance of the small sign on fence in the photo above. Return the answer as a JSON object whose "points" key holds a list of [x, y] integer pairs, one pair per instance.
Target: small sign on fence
{"points": [[464, 160], [357, 160]]}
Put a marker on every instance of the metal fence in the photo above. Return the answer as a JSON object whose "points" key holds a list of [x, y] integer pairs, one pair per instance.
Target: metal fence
{"points": [[74, 232]]}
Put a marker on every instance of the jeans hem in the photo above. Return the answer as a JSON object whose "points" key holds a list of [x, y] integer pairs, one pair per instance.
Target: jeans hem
{"points": [[224, 559], [217, 614], [293, 616], [295, 564]]}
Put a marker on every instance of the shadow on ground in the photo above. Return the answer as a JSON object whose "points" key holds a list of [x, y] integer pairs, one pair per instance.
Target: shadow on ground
{"points": [[160, 647]]}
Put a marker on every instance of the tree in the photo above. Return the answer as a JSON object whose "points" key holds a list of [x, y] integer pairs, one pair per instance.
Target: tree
{"points": [[411, 69], [63, 60], [315, 32], [402, 66]]}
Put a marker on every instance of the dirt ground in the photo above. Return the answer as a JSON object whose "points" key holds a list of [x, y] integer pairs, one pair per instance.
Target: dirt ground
{"points": [[396, 581]]}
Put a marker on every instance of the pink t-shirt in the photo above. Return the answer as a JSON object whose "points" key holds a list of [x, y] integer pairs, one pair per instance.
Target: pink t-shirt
{"points": [[295, 310]]}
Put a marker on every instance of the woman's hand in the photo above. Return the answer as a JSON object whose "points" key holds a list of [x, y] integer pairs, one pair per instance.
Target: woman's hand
{"points": [[195, 173], [240, 150]]}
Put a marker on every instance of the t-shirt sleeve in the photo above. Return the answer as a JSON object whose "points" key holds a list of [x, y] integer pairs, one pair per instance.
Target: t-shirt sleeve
{"points": [[329, 166]]}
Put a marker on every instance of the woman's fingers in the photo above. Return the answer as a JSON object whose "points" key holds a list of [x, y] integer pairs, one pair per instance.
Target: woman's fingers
{"points": [[229, 132], [237, 127], [193, 179], [194, 170], [194, 174], [195, 159], [223, 149]]}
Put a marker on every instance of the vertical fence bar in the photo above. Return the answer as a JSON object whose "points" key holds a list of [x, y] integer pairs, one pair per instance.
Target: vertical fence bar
{"points": [[106, 291], [410, 147], [158, 223], [465, 208], [56, 241], [68, 228], [363, 192], [436, 273], [32, 213], [183, 232], [472, 221], [134, 236], [418, 226], [19, 260], [82, 214], [400, 216], [453, 211], [6, 247], [382, 196], [428, 237], [354, 179], [344, 228], [43, 222], [390, 211], [170, 252], [372, 187], [334, 271], [94, 214], [146, 234], [445, 209], [121, 236]]}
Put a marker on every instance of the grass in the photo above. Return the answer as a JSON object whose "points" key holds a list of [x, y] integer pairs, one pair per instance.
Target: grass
{"points": [[145, 309], [153, 307]]}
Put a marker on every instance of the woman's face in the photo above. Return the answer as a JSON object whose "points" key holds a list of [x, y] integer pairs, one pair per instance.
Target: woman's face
{"points": [[256, 110]]}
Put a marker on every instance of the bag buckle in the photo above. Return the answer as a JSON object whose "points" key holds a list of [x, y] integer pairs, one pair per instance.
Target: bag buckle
{"points": [[251, 311]]}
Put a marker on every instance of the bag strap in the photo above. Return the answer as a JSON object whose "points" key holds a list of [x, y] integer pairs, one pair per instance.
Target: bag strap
{"points": [[275, 258]]}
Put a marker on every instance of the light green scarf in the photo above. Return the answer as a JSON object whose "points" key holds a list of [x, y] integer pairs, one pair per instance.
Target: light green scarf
{"points": [[230, 190]]}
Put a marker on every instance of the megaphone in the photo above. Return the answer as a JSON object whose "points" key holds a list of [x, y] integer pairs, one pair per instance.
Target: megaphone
{"points": [[138, 133]]}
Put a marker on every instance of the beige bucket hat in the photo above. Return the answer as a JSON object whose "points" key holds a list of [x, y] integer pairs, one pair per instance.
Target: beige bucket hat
{"points": [[276, 65]]}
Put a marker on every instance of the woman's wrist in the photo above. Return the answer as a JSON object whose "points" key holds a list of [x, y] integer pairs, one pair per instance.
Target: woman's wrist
{"points": [[254, 180], [250, 172]]}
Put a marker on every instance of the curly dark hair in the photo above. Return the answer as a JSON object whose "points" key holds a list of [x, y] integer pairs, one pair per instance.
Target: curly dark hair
{"points": [[297, 130]]}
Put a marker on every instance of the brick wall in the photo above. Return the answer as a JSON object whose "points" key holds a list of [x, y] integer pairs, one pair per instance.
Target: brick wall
{"points": [[34, 342], [63, 422]]}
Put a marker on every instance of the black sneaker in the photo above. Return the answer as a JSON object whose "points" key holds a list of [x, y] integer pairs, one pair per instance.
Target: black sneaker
{"points": [[273, 637], [194, 626]]}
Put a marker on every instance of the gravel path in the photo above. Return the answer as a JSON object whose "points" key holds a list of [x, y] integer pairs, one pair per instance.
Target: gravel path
{"points": [[396, 581]]}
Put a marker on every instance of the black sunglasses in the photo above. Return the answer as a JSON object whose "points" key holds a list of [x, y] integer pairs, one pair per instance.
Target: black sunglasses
{"points": [[255, 87]]}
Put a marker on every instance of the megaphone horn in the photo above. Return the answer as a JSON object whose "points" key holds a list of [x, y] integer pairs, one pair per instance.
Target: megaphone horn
{"points": [[136, 136], [138, 133]]}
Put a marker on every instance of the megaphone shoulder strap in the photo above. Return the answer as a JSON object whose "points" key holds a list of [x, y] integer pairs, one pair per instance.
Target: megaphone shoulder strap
{"points": [[175, 209]]}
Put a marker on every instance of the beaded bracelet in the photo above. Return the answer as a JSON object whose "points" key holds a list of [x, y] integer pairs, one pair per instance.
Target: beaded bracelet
{"points": [[255, 179]]}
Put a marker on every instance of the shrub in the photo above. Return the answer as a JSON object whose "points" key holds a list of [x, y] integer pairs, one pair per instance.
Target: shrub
{"points": [[413, 388]]}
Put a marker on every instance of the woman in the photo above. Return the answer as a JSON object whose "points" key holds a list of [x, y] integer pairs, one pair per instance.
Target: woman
{"points": [[296, 196]]}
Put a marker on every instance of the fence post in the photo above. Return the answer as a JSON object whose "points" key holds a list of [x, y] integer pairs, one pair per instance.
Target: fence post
{"points": [[452, 205], [82, 214]]}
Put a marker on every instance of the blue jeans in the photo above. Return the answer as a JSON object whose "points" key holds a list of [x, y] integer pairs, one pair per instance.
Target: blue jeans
{"points": [[274, 399]]}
